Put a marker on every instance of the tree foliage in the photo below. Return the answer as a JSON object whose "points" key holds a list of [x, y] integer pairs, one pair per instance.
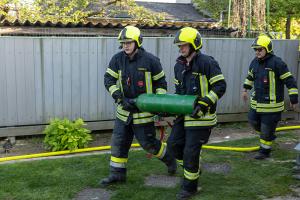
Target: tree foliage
{"points": [[214, 8], [76, 10], [284, 14], [285, 17]]}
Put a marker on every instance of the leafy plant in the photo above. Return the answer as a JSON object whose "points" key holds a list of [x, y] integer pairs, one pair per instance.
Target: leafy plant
{"points": [[66, 135]]}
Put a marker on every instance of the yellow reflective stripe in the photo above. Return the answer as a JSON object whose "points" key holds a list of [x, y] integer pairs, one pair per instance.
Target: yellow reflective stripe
{"points": [[117, 165], [112, 89], [269, 143], [250, 73], [160, 91], [248, 82], [180, 162], [267, 107], [143, 120], [176, 82], [268, 110], [216, 78], [265, 144], [272, 86], [190, 175], [293, 91], [121, 117], [162, 151], [203, 85], [285, 75], [203, 103], [206, 117], [118, 160], [121, 111], [212, 96], [112, 73], [158, 76], [148, 82], [120, 80], [200, 123], [141, 115], [270, 105]]}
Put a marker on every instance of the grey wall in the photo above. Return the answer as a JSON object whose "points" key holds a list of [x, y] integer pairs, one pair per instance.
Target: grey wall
{"points": [[42, 78]]}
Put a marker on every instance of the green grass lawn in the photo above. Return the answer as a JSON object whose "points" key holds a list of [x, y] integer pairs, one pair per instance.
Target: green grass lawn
{"points": [[64, 178]]}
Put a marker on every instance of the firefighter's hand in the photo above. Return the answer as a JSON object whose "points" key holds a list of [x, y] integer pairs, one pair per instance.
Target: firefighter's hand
{"points": [[197, 113], [129, 104], [199, 110], [117, 96], [245, 96], [294, 107]]}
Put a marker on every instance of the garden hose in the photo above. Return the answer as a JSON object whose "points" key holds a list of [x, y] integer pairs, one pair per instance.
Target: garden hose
{"points": [[102, 148]]}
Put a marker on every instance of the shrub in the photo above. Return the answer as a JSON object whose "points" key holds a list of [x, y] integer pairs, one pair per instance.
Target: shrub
{"points": [[66, 135]]}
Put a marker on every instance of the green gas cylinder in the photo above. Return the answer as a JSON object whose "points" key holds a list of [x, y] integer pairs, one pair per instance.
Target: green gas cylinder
{"points": [[166, 103]]}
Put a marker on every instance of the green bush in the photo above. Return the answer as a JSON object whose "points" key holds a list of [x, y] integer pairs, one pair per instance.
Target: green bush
{"points": [[66, 135]]}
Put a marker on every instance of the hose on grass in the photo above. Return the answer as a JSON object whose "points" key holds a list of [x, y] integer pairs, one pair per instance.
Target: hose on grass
{"points": [[103, 148]]}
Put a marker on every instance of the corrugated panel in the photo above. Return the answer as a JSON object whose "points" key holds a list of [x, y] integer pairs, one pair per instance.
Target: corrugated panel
{"points": [[42, 78]]}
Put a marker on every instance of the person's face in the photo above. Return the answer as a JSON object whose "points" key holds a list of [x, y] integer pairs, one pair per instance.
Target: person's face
{"points": [[184, 49], [260, 52], [128, 47]]}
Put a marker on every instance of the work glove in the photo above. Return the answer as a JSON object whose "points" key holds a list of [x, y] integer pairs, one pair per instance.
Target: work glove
{"points": [[117, 96], [199, 109], [129, 104]]}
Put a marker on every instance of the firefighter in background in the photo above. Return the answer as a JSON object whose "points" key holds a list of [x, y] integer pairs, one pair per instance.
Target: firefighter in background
{"points": [[195, 74], [267, 75], [132, 72]]}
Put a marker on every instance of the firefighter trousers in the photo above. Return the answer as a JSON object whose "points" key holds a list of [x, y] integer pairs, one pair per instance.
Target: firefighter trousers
{"points": [[122, 139], [265, 125], [186, 144]]}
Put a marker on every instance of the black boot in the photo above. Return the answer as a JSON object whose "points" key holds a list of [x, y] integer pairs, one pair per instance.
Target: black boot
{"points": [[184, 194], [263, 154], [112, 179]]}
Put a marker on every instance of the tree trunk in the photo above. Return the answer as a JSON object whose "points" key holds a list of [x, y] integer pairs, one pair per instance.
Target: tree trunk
{"points": [[288, 27], [259, 14], [239, 15]]}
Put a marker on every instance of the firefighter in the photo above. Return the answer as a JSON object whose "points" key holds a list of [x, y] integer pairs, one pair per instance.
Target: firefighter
{"points": [[267, 76], [132, 72], [195, 74]]}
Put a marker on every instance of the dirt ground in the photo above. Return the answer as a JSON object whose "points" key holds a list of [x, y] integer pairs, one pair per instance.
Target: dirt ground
{"points": [[223, 132]]}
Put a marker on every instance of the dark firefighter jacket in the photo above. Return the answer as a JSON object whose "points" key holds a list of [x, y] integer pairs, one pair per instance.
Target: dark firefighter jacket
{"points": [[267, 77], [202, 77], [128, 78]]}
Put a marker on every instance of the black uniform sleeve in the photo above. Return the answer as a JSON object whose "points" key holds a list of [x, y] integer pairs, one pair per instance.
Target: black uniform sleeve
{"points": [[217, 83], [110, 80], [176, 82], [158, 77], [286, 76], [248, 83]]}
